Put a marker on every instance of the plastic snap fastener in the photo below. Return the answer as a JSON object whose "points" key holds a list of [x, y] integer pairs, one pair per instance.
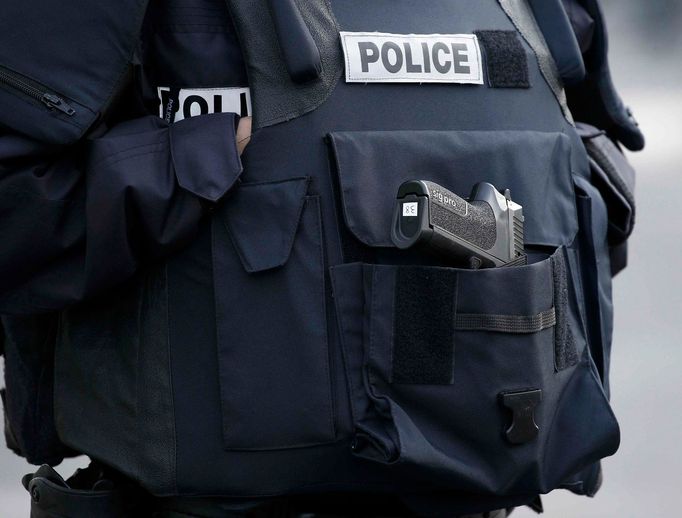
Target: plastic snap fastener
{"points": [[35, 495], [523, 404]]}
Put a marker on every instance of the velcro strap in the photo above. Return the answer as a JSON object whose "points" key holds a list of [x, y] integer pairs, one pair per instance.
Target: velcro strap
{"points": [[514, 324], [423, 328]]}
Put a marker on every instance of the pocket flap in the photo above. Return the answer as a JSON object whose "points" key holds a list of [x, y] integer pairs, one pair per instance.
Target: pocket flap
{"points": [[262, 219], [535, 166], [613, 175]]}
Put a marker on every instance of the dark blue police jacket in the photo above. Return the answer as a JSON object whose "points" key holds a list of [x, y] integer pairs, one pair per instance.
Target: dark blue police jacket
{"points": [[219, 326]]}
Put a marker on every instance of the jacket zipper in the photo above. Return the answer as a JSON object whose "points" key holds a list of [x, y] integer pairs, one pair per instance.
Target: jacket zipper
{"points": [[35, 91]]}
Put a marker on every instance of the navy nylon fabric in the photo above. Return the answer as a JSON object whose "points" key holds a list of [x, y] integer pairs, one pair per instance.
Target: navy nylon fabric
{"points": [[182, 35], [69, 60]]}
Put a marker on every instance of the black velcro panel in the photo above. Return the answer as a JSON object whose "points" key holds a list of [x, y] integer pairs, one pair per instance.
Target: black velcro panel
{"points": [[506, 59], [565, 354], [423, 326]]}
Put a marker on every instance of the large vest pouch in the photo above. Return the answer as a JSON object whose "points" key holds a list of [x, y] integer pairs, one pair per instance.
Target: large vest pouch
{"points": [[475, 380]]}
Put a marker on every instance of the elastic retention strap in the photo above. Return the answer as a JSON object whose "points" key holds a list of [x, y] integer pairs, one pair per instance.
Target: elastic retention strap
{"points": [[514, 324]]}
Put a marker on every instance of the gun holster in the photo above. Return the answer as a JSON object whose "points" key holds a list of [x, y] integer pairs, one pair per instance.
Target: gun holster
{"points": [[88, 493]]}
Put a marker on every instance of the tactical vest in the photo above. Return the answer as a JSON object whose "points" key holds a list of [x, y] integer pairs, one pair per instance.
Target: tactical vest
{"points": [[292, 348]]}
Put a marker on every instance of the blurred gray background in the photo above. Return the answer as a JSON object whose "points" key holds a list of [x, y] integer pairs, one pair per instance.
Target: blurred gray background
{"points": [[644, 479]]}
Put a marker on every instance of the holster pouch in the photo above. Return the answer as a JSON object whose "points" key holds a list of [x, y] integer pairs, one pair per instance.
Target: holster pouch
{"points": [[614, 177], [88, 493]]}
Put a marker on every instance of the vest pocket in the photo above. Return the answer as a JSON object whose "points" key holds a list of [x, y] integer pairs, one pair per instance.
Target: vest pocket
{"points": [[478, 381], [472, 380], [271, 318], [613, 178]]}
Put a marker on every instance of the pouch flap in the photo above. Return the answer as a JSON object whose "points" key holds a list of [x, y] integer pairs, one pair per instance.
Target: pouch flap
{"points": [[535, 166], [262, 219], [613, 175]]}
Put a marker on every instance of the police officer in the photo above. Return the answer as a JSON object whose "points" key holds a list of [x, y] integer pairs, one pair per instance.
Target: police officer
{"points": [[172, 143], [136, 244]]}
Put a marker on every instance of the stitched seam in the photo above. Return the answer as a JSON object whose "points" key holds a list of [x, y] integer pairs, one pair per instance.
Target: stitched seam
{"points": [[349, 222], [218, 313], [318, 234], [367, 366], [136, 155], [552, 283], [454, 327], [273, 182], [342, 338], [32, 195], [117, 153], [174, 453]]}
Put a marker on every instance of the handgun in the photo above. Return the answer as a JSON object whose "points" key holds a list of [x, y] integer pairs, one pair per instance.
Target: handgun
{"points": [[483, 231]]}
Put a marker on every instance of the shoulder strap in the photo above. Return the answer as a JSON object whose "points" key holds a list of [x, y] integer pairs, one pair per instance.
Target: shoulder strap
{"points": [[595, 100]]}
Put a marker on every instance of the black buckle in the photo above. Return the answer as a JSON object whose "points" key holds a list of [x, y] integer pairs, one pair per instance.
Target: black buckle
{"points": [[523, 428]]}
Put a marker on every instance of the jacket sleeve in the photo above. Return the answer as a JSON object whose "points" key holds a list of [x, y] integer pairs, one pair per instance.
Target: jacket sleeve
{"points": [[78, 221]]}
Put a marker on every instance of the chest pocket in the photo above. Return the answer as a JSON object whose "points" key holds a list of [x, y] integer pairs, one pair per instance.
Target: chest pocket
{"points": [[271, 318]]}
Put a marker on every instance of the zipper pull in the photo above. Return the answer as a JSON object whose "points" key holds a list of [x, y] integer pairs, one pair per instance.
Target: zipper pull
{"points": [[52, 101]]}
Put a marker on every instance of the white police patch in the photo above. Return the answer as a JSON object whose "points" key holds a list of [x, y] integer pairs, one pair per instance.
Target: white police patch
{"points": [[177, 104], [376, 57]]}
